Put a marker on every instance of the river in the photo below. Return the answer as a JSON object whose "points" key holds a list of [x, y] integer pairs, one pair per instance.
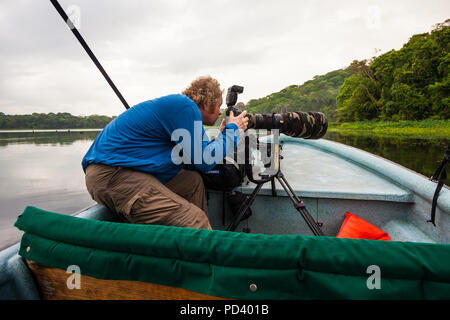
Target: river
{"points": [[43, 169], [420, 155]]}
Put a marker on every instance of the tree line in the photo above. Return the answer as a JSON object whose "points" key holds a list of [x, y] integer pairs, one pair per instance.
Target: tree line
{"points": [[412, 83], [53, 121]]}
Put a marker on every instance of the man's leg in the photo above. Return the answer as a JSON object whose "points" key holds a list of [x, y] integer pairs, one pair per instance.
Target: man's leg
{"points": [[162, 206], [140, 198], [189, 185]]}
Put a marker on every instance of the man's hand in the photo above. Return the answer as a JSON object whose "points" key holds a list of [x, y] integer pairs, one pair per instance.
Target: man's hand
{"points": [[241, 120]]}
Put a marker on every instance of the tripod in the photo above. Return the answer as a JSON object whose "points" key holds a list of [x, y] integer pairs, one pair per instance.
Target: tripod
{"points": [[270, 174]]}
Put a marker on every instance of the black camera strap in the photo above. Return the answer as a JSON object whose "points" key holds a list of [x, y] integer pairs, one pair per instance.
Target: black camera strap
{"points": [[439, 176]]}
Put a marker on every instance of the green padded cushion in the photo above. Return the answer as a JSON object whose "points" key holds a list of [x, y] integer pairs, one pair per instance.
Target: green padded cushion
{"points": [[225, 264]]}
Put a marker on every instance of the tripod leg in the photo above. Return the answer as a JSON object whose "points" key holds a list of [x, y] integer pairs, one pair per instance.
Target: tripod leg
{"points": [[272, 184], [245, 205], [299, 205]]}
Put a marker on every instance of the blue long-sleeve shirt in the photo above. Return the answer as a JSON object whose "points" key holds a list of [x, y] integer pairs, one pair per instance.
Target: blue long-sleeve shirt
{"points": [[160, 136]]}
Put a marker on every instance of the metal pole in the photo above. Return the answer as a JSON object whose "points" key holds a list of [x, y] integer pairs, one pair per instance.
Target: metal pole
{"points": [[83, 43], [300, 206]]}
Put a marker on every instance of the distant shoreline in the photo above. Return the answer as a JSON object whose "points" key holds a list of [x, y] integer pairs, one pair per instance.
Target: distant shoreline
{"points": [[434, 129], [47, 130]]}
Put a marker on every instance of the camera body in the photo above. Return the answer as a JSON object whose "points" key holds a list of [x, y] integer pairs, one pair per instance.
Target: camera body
{"points": [[231, 100], [232, 94]]}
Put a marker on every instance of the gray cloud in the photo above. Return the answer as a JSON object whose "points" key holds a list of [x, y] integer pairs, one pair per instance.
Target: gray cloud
{"points": [[152, 48]]}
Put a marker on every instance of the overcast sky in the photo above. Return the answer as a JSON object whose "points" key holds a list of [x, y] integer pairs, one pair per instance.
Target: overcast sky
{"points": [[154, 48]]}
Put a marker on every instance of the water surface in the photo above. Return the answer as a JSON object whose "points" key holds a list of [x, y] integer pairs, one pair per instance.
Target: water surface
{"points": [[43, 169], [420, 155]]}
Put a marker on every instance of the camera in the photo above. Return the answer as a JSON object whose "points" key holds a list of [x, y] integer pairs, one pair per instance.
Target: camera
{"points": [[232, 95], [306, 125]]}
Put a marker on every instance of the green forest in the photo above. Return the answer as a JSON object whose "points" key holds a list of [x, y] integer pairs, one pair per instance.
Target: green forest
{"points": [[52, 121], [412, 83]]}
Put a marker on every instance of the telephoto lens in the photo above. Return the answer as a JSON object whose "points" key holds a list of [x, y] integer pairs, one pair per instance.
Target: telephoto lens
{"points": [[306, 125]]}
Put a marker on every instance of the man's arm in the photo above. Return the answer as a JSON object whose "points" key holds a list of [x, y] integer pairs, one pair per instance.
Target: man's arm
{"points": [[192, 143], [215, 150]]}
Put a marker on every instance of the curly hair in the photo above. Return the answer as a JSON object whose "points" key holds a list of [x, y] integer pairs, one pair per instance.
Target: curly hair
{"points": [[205, 92]]}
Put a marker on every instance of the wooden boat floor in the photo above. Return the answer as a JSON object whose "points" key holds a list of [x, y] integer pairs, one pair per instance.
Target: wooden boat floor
{"points": [[52, 285]]}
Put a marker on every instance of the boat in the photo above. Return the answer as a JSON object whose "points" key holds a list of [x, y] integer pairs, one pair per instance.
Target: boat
{"points": [[272, 255]]}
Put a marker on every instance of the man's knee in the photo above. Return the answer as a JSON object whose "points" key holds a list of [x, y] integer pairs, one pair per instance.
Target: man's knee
{"points": [[194, 218], [188, 216], [161, 206], [194, 178]]}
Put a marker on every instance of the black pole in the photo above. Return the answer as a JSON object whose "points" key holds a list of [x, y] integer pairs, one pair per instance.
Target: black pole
{"points": [[299, 205], [83, 43]]}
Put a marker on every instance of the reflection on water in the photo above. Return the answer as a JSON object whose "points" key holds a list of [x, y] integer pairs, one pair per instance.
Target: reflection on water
{"points": [[420, 155], [50, 137], [43, 169]]}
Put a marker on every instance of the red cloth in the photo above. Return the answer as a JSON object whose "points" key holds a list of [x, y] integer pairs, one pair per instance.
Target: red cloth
{"points": [[356, 228]]}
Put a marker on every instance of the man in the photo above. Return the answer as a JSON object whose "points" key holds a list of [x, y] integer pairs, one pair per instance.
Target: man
{"points": [[130, 166]]}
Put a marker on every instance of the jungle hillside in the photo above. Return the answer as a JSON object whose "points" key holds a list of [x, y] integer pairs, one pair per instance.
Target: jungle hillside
{"points": [[412, 83]]}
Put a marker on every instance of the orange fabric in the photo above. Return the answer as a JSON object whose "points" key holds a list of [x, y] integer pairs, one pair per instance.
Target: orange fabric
{"points": [[356, 228]]}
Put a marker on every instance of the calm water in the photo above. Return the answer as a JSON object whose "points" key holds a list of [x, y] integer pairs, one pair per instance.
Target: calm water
{"points": [[420, 155], [43, 169]]}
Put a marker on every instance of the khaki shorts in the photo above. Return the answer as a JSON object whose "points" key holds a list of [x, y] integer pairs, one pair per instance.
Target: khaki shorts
{"points": [[140, 197]]}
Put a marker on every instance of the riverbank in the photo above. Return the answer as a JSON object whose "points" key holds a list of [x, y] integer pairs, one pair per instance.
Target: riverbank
{"points": [[47, 130], [429, 129]]}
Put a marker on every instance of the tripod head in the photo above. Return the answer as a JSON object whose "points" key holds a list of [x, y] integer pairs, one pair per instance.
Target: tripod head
{"points": [[270, 156]]}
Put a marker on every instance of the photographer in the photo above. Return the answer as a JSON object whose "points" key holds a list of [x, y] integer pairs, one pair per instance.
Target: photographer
{"points": [[129, 167]]}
